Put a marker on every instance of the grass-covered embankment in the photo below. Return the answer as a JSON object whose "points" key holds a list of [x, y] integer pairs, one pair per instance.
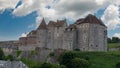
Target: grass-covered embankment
{"points": [[97, 59], [113, 45]]}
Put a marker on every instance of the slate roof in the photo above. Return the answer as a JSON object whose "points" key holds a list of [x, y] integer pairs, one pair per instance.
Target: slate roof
{"points": [[60, 22], [42, 25], [90, 19], [51, 24], [72, 26]]}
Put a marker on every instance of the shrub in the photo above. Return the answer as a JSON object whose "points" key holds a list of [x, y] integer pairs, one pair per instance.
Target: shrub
{"points": [[18, 52], [65, 58], [79, 63], [2, 56], [49, 65], [9, 57], [76, 49], [29, 62], [118, 65], [63, 66], [51, 54]]}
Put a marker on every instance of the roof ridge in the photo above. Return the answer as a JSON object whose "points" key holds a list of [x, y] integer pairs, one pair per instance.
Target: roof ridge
{"points": [[90, 19]]}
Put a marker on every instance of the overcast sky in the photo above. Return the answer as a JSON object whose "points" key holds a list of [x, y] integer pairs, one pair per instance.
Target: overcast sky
{"points": [[18, 17]]}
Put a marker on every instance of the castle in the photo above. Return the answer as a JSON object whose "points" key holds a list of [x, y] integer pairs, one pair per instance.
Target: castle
{"points": [[86, 34]]}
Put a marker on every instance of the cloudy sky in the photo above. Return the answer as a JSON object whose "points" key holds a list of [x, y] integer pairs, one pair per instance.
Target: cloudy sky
{"points": [[18, 17]]}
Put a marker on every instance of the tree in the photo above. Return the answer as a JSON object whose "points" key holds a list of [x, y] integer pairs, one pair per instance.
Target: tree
{"points": [[79, 63], [65, 58], [2, 56], [115, 40], [109, 40]]}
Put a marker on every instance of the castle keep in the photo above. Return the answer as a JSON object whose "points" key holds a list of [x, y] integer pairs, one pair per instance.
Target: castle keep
{"points": [[86, 34]]}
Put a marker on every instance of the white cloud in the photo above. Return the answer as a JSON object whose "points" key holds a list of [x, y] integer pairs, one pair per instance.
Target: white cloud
{"points": [[111, 16], [60, 9], [72, 9], [8, 4], [23, 34], [116, 35]]}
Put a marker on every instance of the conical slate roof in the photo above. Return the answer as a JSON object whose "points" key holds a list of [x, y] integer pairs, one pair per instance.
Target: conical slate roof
{"points": [[42, 25], [90, 19]]}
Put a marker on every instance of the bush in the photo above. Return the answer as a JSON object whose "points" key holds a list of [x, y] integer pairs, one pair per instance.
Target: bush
{"points": [[52, 54], [63, 66], [118, 65], [49, 65], [29, 62], [79, 63], [2, 56], [65, 58], [76, 49], [18, 52], [9, 57]]}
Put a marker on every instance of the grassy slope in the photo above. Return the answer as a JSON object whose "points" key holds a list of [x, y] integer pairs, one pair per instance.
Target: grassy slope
{"points": [[112, 45], [102, 59]]}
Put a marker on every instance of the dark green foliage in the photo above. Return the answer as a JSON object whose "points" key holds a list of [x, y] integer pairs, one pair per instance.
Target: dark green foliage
{"points": [[79, 63], [67, 57], [76, 49], [118, 65], [32, 64], [49, 65], [95, 59], [29, 62], [115, 40], [34, 52], [9, 57], [109, 40], [51, 54], [2, 56], [63, 66], [18, 52]]}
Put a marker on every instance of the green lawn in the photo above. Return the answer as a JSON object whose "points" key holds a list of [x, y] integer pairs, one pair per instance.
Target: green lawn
{"points": [[113, 45], [104, 60], [101, 59]]}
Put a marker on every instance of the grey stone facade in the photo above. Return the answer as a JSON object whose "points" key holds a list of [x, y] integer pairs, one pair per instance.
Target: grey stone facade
{"points": [[88, 34]]}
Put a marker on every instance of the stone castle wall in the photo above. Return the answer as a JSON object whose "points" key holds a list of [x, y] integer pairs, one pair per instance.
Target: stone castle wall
{"points": [[88, 34]]}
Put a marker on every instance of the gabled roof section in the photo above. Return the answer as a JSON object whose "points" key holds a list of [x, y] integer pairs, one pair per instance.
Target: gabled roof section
{"points": [[61, 22], [51, 24], [90, 19], [42, 25]]}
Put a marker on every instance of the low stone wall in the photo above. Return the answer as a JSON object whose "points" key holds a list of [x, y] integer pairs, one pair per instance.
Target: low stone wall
{"points": [[114, 49], [12, 64], [42, 54]]}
